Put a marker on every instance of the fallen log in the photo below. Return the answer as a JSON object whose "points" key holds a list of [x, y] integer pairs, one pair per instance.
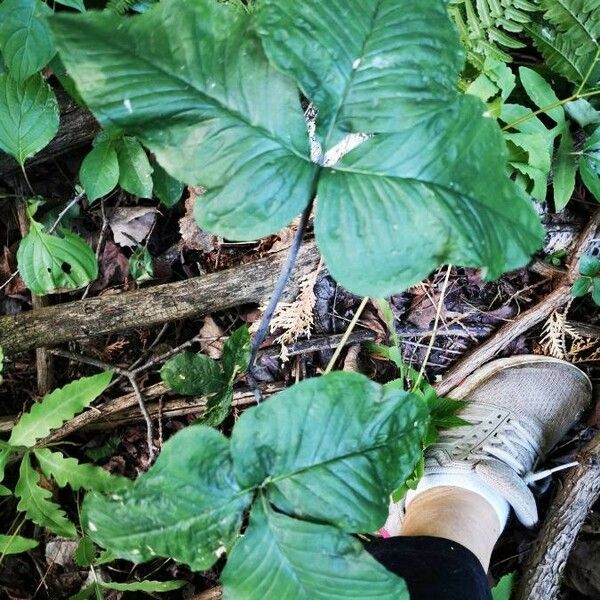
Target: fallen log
{"points": [[81, 319], [577, 494]]}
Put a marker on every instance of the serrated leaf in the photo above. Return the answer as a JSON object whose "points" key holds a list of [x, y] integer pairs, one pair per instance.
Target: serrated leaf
{"points": [[282, 557], [565, 169], [50, 263], [25, 39], [166, 188], [581, 287], [57, 407], [85, 552], [28, 116], [35, 502], [68, 471], [99, 171], [187, 506], [15, 544], [135, 171], [348, 444], [193, 374], [236, 352], [247, 115], [388, 215]]}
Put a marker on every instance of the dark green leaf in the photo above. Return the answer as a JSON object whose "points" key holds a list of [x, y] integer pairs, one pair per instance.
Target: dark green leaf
{"points": [[213, 112], [57, 407], [28, 116], [589, 265], [581, 286], [348, 443], [52, 263], [25, 39], [589, 165], [76, 4], [166, 188], [99, 172], [35, 502], [188, 506], [596, 290], [282, 557], [135, 171], [193, 374], [565, 168], [141, 265], [218, 407], [85, 552], [15, 544], [236, 352]]}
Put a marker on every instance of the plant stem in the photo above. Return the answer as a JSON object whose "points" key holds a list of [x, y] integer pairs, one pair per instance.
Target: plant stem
{"points": [[545, 109], [346, 335], [284, 275], [436, 324], [589, 72]]}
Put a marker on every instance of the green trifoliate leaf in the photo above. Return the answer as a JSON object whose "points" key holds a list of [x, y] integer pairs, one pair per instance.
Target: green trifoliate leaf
{"points": [[348, 444], [193, 374], [565, 169], [99, 172], [50, 263], [68, 471], [28, 116], [166, 188], [589, 164], [581, 286], [589, 265], [35, 502], [57, 407], [282, 557], [135, 171], [25, 40], [234, 127], [236, 352], [15, 544], [187, 506], [213, 112]]}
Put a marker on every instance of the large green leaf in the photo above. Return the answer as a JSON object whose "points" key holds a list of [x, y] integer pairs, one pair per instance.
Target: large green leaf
{"points": [[35, 502], [282, 557], [25, 39], [190, 81], [335, 448], [68, 471], [57, 407], [51, 263], [201, 95], [188, 506], [28, 116], [15, 544]]}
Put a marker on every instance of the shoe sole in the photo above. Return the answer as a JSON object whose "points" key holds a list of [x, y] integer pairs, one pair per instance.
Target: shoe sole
{"points": [[472, 382]]}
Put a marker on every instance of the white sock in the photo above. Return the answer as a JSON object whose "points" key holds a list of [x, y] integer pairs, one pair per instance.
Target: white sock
{"points": [[467, 481]]}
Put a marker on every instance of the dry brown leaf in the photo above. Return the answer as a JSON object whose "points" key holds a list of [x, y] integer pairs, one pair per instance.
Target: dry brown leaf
{"points": [[131, 225], [192, 237], [212, 338]]}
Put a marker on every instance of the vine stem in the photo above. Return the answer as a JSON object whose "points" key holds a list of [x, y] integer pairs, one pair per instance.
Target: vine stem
{"points": [[346, 335], [436, 324], [284, 275], [545, 109]]}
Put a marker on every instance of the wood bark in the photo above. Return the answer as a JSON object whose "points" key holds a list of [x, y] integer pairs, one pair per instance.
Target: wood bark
{"points": [[542, 576], [244, 284], [77, 127]]}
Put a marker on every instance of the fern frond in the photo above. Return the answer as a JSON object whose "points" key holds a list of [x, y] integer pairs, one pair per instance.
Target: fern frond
{"points": [[568, 39], [120, 7], [488, 27], [56, 408], [68, 471], [35, 502]]}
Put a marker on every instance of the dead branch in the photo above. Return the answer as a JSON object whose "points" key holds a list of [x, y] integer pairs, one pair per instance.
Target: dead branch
{"points": [[578, 492], [525, 321], [248, 283]]}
